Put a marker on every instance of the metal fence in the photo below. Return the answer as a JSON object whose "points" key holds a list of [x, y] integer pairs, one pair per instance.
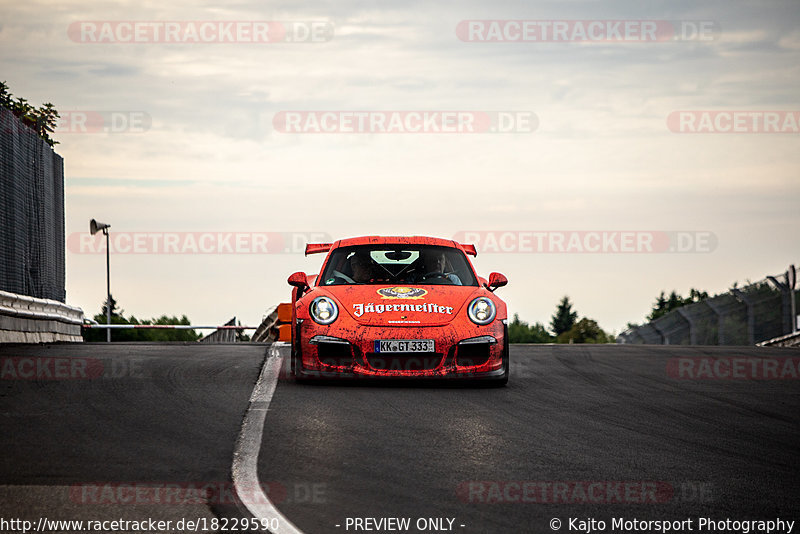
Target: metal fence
{"points": [[743, 316], [31, 213]]}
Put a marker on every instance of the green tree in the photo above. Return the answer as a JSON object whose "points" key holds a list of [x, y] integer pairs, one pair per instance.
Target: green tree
{"points": [[697, 295], [150, 334], [139, 334], [674, 301], [46, 122], [564, 318], [115, 312], [585, 331], [5, 96], [521, 332], [663, 305], [659, 308], [42, 120]]}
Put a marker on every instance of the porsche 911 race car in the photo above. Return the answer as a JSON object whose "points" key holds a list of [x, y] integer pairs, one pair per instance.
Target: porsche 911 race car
{"points": [[398, 307]]}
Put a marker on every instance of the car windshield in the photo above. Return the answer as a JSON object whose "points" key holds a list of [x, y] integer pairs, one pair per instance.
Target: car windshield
{"points": [[390, 264]]}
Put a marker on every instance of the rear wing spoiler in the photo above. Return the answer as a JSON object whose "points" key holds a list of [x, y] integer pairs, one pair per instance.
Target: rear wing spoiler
{"points": [[317, 248], [469, 249]]}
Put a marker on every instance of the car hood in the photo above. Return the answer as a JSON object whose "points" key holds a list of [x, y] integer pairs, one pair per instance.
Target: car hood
{"points": [[413, 305]]}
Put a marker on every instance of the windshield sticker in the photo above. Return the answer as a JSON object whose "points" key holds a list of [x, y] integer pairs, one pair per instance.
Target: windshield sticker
{"points": [[361, 309], [402, 292]]}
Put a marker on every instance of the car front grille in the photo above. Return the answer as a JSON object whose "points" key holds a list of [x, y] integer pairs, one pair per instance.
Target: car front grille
{"points": [[472, 354], [404, 361], [335, 354]]}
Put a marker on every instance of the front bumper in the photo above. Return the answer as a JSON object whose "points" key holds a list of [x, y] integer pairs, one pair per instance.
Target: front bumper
{"points": [[470, 352]]}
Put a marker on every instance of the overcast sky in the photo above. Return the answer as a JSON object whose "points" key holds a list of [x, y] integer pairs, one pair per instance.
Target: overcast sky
{"points": [[204, 151]]}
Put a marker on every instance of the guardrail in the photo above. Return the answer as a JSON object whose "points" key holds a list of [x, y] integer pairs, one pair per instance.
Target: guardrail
{"points": [[168, 326], [789, 340], [276, 325], [227, 333], [25, 319]]}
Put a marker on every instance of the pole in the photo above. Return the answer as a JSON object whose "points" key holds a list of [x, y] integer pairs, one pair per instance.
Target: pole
{"points": [[791, 279], [108, 285]]}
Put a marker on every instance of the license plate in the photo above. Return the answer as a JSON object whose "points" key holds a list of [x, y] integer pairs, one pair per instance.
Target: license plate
{"points": [[404, 345]]}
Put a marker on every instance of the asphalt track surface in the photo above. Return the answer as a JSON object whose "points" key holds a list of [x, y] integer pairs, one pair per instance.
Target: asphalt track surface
{"points": [[139, 414], [726, 448], [574, 415]]}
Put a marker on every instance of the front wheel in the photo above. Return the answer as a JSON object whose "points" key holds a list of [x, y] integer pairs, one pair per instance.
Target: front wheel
{"points": [[299, 376], [506, 371], [502, 380], [296, 363]]}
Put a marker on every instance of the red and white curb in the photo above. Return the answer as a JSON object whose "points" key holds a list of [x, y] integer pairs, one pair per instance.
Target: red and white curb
{"points": [[245, 455]]}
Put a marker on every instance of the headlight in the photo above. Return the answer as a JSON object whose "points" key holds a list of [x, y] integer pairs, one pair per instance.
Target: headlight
{"points": [[323, 310], [481, 311]]}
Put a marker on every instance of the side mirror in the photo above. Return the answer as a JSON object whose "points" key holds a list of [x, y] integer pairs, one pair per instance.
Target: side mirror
{"points": [[497, 280], [298, 280]]}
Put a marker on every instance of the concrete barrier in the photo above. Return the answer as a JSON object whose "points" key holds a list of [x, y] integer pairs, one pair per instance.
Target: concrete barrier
{"points": [[26, 319]]}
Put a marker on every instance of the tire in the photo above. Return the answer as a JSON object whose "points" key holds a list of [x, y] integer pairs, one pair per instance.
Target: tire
{"points": [[296, 367], [299, 376], [502, 380], [296, 362]]}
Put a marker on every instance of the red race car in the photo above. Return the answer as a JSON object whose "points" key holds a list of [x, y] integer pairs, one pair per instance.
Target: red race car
{"points": [[398, 307]]}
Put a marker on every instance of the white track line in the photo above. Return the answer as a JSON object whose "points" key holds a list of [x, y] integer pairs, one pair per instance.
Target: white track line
{"points": [[245, 456]]}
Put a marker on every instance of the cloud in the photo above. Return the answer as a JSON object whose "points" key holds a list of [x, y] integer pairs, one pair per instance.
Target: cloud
{"points": [[602, 156]]}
